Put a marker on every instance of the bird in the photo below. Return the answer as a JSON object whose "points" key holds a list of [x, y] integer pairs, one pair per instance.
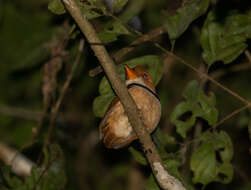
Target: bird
{"points": [[115, 129]]}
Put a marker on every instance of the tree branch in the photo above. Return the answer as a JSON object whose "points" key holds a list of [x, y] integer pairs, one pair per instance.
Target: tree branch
{"points": [[55, 109], [20, 165], [165, 180]]}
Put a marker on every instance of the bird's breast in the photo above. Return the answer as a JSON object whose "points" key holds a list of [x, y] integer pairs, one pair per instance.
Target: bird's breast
{"points": [[148, 105], [115, 126]]}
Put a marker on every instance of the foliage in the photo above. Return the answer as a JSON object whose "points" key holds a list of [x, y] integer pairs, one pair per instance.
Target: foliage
{"points": [[204, 134], [178, 23], [198, 104], [225, 41], [56, 7], [204, 163]]}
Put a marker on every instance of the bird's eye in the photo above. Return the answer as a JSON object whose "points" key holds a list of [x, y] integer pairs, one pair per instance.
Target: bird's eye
{"points": [[145, 76]]}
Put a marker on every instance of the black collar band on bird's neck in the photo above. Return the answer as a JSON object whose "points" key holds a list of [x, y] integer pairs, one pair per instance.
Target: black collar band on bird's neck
{"points": [[146, 88]]}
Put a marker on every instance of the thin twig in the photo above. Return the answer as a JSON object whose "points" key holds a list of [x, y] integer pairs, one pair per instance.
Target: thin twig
{"points": [[165, 180], [195, 140], [203, 74], [66, 85], [198, 126], [231, 115], [144, 38], [117, 56], [235, 68], [20, 112]]}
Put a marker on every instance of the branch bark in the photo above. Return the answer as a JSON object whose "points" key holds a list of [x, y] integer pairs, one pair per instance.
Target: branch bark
{"points": [[165, 180], [20, 165]]}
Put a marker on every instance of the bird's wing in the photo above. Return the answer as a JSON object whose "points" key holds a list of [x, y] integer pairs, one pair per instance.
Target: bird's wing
{"points": [[104, 124], [112, 141]]}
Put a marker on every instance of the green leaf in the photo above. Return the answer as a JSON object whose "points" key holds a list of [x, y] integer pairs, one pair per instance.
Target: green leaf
{"points": [[224, 145], [225, 173], [56, 7], [132, 9], [224, 41], [191, 91], [205, 166], [112, 30], [181, 109], [107, 37], [178, 23], [138, 156], [90, 10], [105, 87], [89, 13], [118, 4], [197, 104], [102, 102], [210, 113], [116, 27]]}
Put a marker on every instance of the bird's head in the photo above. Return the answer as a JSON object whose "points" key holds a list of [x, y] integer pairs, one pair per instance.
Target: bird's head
{"points": [[140, 76]]}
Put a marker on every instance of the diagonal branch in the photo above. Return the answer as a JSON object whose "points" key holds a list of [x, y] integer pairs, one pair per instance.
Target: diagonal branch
{"points": [[165, 180], [231, 115]]}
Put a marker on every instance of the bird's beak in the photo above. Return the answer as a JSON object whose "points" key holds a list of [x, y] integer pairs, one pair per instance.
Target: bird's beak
{"points": [[130, 73]]}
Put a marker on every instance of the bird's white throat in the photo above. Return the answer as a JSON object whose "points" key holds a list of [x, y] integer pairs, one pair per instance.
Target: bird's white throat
{"points": [[138, 80]]}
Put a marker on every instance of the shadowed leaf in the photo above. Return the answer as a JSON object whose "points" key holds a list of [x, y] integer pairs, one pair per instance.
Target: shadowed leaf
{"points": [[198, 105], [178, 23], [205, 166], [118, 4], [56, 7], [225, 41]]}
